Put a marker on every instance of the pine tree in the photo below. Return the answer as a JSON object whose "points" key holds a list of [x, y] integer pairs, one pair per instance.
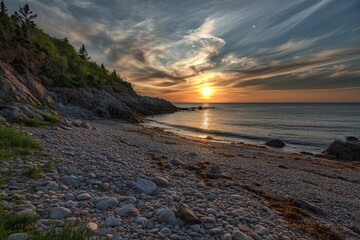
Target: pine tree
{"points": [[27, 17], [83, 53], [3, 9]]}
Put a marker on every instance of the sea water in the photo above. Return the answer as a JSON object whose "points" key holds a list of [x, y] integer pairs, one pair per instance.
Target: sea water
{"points": [[307, 127]]}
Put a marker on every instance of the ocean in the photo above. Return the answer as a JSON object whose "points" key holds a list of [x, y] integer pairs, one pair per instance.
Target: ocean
{"points": [[307, 127]]}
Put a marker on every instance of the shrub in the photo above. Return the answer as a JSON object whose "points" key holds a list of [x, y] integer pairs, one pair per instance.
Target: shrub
{"points": [[32, 172]]}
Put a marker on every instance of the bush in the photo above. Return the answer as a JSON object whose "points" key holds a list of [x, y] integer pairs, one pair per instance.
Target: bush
{"points": [[32, 122], [32, 172]]}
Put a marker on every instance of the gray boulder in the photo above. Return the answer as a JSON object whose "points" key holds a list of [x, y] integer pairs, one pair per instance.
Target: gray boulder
{"points": [[145, 186], [127, 210], [275, 143], [59, 213], [349, 150], [166, 216], [71, 181], [18, 236], [106, 202]]}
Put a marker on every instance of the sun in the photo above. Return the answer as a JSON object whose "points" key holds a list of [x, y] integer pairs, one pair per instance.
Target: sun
{"points": [[206, 91]]}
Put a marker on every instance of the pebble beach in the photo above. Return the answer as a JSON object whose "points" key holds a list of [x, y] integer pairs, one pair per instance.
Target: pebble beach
{"points": [[127, 181]]}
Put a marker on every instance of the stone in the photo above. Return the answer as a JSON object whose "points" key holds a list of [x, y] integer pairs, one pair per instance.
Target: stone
{"points": [[142, 221], [83, 196], [145, 186], [86, 125], [211, 211], [195, 227], [166, 231], [235, 197], [216, 230], [215, 170], [26, 212], [160, 181], [111, 221], [349, 151], [71, 170], [106, 202], [59, 213], [18, 236], [105, 186], [308, 206], [48, 186], [186, 213], [261, 230], [127, 210], [166, 216], [352, 139], [238, 235], [176, 162], [71, 181], [277, 143], [227, 236], [93, 226]]}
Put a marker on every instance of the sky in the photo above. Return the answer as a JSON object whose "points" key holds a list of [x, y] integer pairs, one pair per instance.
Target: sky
{"points": [[242, 50]]}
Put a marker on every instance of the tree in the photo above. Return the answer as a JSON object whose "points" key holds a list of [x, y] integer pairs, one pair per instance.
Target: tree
{"points": [[83, 53], [27, 17], [3, 9]]}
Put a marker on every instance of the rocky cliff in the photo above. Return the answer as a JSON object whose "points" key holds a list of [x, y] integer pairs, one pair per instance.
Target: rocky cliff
{"points": [[123, 103]]}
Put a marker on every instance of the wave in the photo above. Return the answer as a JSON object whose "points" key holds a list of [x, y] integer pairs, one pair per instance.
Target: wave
{"points": [[232, 135]]}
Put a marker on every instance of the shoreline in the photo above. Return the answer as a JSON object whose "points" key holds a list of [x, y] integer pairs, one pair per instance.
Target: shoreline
{"points": [[231, 188]]}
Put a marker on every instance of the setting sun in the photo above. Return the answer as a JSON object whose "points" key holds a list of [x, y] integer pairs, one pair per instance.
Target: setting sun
{"points": [[206, 91]]}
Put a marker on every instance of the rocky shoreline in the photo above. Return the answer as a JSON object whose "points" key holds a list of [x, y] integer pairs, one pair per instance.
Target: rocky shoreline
{"points": [[134, 182]]}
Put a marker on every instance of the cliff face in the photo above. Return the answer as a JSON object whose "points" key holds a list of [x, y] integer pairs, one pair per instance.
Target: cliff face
{"points": [[123, 103]]}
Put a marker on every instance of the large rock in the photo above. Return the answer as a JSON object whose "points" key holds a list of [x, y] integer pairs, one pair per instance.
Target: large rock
{"points": [[160, 181], [106, 202], [349, 150], [275, 143], [71, 181], [186, 214], [127, 210], [59, 213], [308, 206], [166, 216], [17, 112], [23, 87], [145, 186], [18, 236]]}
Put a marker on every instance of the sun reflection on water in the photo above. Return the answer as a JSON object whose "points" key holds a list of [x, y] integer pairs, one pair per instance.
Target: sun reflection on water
{"points": [[206, 119]]}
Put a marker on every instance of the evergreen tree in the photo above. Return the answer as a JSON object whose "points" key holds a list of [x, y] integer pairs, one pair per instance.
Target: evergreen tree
{"points": [[83, 53], [27, 17], [103, 68], [3, 9]]}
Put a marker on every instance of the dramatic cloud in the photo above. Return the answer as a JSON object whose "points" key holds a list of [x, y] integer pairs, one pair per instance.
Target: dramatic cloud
{"points": [[171, 48]]}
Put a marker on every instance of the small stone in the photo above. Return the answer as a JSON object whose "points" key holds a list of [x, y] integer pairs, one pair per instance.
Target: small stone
{"points": [[93, 226], [261, 230], [216, 230], [215, 170], [71, 170], [141, 221], [237, 235], [111, 221], [18, 236], [160, 181], [48, 186], [195, 227], [86, 125], [176, 162], [166, 231], [227, 236], [83, 196], [60, 213], [105, 186], [27, 212], [106, 202], [146, 186], [127, 210], [235, 197], [166, 216], [211, 211], [71, 181]]}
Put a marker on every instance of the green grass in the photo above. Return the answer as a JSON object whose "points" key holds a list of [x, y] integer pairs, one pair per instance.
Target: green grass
{"points": [[67, 232], [14, 143], [50, 118], [12, 223], [32, 172], [32, 122]]}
